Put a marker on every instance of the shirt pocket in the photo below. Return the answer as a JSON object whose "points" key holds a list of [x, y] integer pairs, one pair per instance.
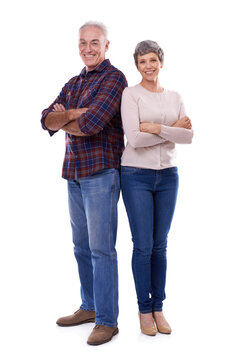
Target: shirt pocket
{"points": [[71, 99], [87, 97], [68, 99]]}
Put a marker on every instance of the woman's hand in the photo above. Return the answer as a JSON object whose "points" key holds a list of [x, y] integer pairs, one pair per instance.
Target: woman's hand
{"points": [[184, 122], [150, 128]]}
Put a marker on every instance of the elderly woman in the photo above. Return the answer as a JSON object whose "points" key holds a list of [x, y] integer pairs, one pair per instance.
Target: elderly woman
{"points": [[154, 120]]}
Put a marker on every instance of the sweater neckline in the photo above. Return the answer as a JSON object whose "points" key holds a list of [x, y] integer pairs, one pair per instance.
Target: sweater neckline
{"points": [[152, 92]]}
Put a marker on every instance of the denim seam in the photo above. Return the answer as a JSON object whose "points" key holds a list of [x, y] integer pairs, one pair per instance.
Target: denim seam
{"points": [[86, 309], [111, 240], [146, 311], [105, 323]]}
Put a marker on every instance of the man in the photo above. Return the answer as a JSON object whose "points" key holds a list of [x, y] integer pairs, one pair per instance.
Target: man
{"points": [[87, 109]]}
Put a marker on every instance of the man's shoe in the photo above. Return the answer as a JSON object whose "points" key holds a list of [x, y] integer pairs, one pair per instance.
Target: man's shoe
{"points": [[79, 317], [102, 334]]}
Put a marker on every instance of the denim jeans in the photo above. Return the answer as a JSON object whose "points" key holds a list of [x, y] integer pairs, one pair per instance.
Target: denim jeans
{"points": [[93, 213], [150, 198]]}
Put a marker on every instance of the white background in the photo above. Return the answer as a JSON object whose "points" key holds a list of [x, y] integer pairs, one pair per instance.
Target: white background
{"points": [[39, 279]]}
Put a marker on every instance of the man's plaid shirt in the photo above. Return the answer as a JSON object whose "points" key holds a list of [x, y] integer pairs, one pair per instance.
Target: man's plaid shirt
{"points": [[99, 90]]}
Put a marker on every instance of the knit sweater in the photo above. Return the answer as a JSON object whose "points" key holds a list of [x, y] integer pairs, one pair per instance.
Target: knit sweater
{"points": [[146, 150]]}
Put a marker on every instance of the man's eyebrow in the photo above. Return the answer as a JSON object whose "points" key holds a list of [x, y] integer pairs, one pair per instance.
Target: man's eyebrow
{"points": [[91, 40]]}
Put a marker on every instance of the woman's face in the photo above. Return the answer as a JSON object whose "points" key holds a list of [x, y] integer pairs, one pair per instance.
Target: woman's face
{"points": [[149, 66]]}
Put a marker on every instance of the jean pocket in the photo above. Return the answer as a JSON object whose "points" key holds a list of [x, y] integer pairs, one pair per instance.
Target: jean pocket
{"points": [[173, 170], [104, 171], [128, 170]]}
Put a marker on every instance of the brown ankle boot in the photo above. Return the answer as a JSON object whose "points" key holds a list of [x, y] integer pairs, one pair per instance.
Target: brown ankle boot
{"points": [[162, 324], [151, 331]]}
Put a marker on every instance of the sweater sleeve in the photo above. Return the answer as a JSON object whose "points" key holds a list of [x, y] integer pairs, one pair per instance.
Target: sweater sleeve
{"points": [[130, 120], [176, 134]]}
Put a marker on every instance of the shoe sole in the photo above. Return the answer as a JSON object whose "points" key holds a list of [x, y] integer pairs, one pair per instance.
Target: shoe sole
{"points": [[115, 332], [165, 333], [145, 333], [75, 324]]}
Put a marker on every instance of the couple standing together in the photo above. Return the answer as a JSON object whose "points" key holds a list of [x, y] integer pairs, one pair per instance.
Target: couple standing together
{"points": [[91, 109]]}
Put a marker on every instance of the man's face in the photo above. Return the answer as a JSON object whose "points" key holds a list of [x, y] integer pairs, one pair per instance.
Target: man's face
{"points": [[92, 46]]}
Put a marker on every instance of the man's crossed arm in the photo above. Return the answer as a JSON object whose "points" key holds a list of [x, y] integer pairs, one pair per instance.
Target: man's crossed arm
{"points": [[64, 119]]}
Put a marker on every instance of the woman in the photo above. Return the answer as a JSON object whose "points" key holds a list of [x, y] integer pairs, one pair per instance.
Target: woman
{"points": [[154, 119]]}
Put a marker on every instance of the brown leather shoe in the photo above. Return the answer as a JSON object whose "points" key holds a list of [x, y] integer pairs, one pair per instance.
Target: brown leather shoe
{"points": [[102, 334], [79, 317]]}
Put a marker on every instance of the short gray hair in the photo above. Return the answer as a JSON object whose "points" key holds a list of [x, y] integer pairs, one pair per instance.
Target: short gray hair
{"points": [[97, 24], [145, 47]]}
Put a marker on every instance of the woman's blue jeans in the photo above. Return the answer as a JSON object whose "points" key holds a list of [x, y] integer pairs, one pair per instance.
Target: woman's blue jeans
{"points": [[150, 198], [93, 213]]}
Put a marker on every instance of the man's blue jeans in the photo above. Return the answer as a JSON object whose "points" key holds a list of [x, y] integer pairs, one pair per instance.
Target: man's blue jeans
{"points": [[149, 197], [93, 213]]}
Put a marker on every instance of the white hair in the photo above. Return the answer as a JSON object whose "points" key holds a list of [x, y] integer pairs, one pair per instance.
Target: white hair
{"points": [[97, 24]]}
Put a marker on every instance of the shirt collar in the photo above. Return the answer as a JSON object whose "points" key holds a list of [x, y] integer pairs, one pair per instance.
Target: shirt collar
{"points": [[99, 68]]}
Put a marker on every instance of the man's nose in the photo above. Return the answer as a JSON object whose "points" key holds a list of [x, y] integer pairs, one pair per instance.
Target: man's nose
{"points": [[88, 47]]}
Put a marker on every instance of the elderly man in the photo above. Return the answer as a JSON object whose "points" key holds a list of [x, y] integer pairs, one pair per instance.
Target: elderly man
{"points": [[87, 109]]}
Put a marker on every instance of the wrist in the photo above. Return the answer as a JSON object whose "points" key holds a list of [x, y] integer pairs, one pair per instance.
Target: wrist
{"points": [[69, 115], [159, 129]]}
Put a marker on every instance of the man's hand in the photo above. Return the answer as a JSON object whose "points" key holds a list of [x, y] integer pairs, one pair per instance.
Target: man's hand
{"points": [[150, 128], [184, 122], [72, 114], [73, 129], [58, 107], [75, 113]]}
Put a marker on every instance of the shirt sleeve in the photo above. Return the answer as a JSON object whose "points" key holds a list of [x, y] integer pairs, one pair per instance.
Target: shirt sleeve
{"points": [[130, 119], [61, 99], [176, 134], [105, 105]]}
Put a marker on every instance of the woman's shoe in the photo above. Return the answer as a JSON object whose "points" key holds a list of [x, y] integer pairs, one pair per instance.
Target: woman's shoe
{"points": [[149, 330], [161, 323]]}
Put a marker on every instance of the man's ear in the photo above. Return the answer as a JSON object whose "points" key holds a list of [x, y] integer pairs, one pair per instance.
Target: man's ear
{"points": [[107, 45]]}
